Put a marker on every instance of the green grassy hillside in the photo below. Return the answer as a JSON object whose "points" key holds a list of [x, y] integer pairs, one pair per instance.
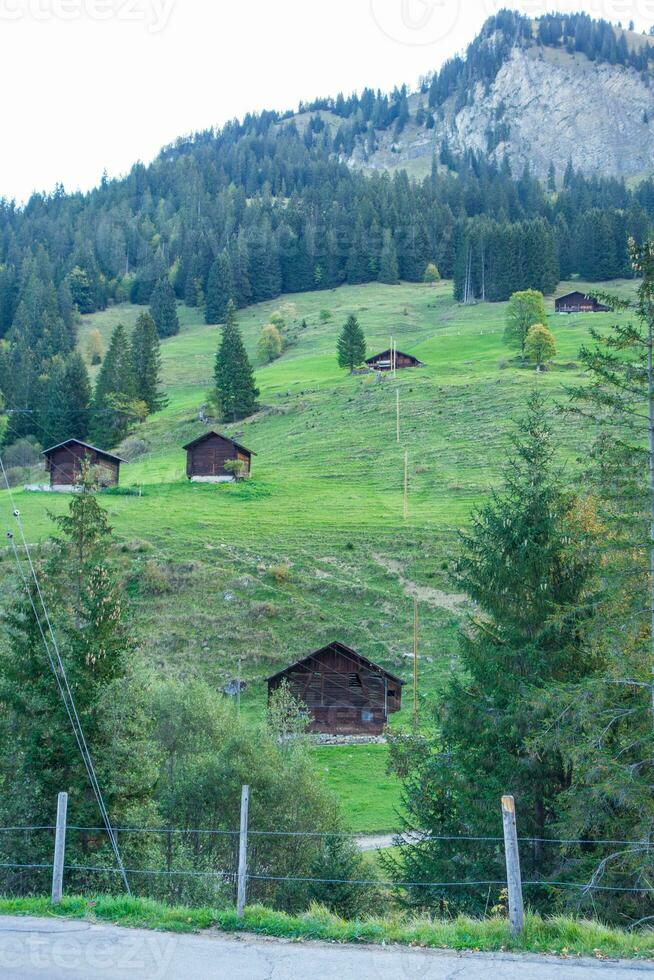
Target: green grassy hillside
{"points": [[315, 546]]}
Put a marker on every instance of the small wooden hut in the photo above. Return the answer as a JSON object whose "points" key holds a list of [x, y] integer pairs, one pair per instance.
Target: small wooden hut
{"points": [[578, 302], [206, 457], [64, 464], [346, 693], [387, 359]]}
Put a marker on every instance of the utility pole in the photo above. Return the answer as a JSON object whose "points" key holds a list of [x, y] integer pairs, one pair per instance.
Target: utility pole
{"points": [[406, 484], [650, 428], [643, 261], [415, 662], [397, 393]]}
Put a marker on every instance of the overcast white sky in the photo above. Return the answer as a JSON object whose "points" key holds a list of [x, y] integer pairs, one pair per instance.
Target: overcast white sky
{"points": [[95, 84]]}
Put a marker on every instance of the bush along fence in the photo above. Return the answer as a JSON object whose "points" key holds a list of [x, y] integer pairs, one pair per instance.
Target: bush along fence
{"points": [[301, 867]]}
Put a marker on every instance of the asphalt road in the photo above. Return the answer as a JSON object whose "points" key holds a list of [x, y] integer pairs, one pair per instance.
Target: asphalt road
{"points": [[57, 949]]}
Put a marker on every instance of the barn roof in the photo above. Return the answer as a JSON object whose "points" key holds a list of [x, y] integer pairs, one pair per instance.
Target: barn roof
{"points": [[578, 294], [207, 435], [387, 353], [79, 442], [346, 651], [575, 292]]}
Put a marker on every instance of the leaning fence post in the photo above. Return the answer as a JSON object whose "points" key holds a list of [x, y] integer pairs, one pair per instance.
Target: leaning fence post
{"points": [[513, 877], [243, 853], [60, 849]]}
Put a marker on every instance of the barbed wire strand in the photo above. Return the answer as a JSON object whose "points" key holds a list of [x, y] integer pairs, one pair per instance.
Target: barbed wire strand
{"points": [[409, 837]]}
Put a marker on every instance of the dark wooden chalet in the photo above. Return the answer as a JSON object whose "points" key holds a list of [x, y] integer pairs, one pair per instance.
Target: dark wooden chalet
{"points": [[578, 302], [382, 361], [346, 693], [206, 457], [64, 463]]}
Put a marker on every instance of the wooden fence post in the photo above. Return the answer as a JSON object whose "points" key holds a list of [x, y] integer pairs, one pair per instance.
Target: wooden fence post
{"points": [[243, 853], [513, 877], [60, 849]]}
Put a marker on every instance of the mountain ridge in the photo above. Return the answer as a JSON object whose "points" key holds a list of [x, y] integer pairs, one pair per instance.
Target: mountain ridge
{"points": [[556, 89]]}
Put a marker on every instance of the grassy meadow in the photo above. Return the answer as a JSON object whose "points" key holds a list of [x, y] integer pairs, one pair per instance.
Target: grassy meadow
{"points": [[315, 546]]}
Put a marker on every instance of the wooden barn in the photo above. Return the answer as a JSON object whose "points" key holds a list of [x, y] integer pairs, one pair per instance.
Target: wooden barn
{"points": [[384, 362], [346, 693], [206, 457], [64, 464], [578, 302]]}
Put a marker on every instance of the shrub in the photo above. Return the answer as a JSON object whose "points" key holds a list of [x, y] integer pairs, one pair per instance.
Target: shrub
{"points": [[277, 320], [269, 345], [431, 273], [136, 546], [325, 316], [207, 753], [16, 475], [101, 476], [132, 447], [153, 579], [540, 345], [23, 452], [237, 467], [280, 573], [263, 610]]}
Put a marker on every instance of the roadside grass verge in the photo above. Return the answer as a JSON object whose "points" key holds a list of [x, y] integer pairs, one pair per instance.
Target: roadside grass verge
{"points": [[558, 935]]}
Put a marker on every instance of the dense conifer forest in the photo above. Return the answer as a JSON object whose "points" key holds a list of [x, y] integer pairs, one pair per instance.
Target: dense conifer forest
{"points": [[266, 206]]}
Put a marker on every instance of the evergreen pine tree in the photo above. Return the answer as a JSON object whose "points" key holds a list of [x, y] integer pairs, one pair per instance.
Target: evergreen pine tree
{"points": [[551, 178], [388, 268], [53, 425], [220, 289], [163, 308], [146, 363], [351, 345], [526, 563], [113, 409], [235, 386], [81, 583]]}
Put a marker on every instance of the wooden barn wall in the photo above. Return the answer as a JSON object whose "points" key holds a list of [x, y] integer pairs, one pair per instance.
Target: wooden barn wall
{"points": [[208, 458], [342, 695], [65, 464]]}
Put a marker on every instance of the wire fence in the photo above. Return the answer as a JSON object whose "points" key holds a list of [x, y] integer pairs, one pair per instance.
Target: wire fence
{"points": [[229, 876]]}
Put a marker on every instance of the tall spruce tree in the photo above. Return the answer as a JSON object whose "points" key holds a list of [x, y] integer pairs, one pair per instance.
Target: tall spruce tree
{"points": [[113, 409], [82, 587], [602, 724], [235, 385], [220, 289], [163, 308], [146, 363], [78, 408], [351, 346], [388, 267], [527, 565], [65, 401]]}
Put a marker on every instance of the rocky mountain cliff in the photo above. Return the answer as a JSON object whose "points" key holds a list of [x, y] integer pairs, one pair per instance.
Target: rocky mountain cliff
{"points": [[544, 103]]}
